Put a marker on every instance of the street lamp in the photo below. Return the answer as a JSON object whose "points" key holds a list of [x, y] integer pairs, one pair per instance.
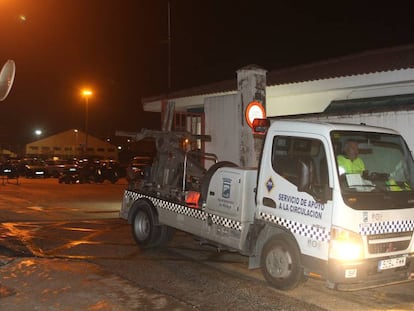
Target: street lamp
{"points": [[86, 93], [38, 132]]}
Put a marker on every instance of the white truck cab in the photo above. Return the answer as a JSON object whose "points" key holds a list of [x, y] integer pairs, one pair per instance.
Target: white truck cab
{"points": [[350, 228]]}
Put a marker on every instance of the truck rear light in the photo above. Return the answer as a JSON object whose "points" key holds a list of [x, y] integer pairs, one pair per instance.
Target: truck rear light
{"points": [[192, 198]]}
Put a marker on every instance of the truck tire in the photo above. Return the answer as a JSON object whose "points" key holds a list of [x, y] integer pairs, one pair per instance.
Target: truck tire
{"points": [[166, 235], [205, 182], [144, 230], [280, 263]]}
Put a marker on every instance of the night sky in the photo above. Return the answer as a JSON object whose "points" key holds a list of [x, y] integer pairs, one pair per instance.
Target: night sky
{"points": [[118, 48]]}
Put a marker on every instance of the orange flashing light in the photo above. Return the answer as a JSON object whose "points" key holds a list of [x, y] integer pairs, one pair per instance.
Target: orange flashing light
{"points": [[192, 198], [254, 110]]}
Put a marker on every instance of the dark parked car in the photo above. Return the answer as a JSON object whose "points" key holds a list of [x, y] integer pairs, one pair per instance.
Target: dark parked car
{"points": [[110, 170], [91, 171], [56, 167], [33, 168], [70, 175], [10, 169], [138, 168]]}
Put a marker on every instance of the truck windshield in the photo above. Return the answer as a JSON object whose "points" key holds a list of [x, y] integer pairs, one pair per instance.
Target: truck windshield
{"points": [[374, 163]]}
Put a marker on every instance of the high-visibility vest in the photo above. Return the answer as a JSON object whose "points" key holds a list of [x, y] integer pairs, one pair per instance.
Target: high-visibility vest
{"points": [[349, 166], [393, 186]]}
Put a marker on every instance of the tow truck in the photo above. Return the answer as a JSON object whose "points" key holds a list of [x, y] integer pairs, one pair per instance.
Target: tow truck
{"points": [[296, 215]]}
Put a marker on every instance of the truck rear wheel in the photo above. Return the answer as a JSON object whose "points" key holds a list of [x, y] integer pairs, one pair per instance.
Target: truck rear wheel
{"points": [[144, 230], [280, 263]]}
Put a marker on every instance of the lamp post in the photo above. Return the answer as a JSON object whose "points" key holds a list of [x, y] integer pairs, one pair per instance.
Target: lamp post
{"points": [[86, 93], [75, 149]]}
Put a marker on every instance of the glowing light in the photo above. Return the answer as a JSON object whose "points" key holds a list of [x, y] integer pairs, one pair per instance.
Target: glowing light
{"points": [[345, 245], [87, 92], [254, 110]]}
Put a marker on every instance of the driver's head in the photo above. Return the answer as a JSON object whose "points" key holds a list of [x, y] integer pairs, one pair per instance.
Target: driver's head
{"points": [[351, 149]]}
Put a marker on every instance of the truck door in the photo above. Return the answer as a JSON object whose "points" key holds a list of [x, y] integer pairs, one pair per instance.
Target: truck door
{"points": [[305, 209], [230, 206]]}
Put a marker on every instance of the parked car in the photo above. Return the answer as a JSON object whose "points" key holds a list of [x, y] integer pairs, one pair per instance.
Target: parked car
{"points": [[88, 170], [91, 171], [56, 167], [9, 169], [138, 168], [33, 168], [70, 175], [110, 170]]}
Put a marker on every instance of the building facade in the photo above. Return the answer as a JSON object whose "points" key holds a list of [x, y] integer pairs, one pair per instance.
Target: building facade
{"points": [[71, 143], [374, 87]]}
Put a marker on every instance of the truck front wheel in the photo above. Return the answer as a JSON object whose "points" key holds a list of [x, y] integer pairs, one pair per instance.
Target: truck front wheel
{"points": [[144, 230], [280, 263]]}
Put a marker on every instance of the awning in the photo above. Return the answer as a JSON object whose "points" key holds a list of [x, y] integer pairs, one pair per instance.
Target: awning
{"points": [[370, 105]]}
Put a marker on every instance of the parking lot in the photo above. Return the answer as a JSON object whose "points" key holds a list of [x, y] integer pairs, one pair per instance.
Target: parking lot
{"points": [[43, 219]]}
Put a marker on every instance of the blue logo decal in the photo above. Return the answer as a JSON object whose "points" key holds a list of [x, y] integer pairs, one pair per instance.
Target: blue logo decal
{"points": [[225, 193], [269, 184]]}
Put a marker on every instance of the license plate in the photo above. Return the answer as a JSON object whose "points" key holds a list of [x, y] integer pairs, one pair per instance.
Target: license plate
{"points": [[391, 263]]}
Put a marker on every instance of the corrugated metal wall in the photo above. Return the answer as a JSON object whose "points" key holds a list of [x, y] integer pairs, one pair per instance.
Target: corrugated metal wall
{"points": [[222, 123]]}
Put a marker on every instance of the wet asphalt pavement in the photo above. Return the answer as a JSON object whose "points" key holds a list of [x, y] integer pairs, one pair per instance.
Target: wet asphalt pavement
{"points": [[32, 280], [29, 283], [63, 247]]}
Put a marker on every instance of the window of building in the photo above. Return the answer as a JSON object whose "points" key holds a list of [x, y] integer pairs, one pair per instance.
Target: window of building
{"points": [[193, 123]]}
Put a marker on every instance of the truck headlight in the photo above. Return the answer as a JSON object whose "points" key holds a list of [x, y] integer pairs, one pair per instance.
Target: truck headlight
{"points": [[345, 245]]}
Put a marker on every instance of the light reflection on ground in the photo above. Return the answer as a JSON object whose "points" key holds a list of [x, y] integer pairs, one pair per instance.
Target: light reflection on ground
{"points": [[81, 240]]}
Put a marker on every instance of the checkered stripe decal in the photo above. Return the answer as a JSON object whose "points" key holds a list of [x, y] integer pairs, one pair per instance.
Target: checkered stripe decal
{"points": [[298, 228], [170, 206], [187, 211], [386, 227], [226, 222]]}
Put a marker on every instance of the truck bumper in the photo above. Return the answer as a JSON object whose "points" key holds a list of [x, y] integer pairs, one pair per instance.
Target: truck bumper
{"points": [[366, 274]]}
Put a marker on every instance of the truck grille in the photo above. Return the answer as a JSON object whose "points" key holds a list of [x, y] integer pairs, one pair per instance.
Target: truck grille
{"points": [[390, 242]]}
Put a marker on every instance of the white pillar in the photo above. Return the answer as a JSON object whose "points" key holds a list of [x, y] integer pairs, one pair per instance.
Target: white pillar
{"points": [[251, 84]]}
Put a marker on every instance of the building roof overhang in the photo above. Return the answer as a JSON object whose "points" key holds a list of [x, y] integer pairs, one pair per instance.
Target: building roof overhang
{"points": [[382, 63]]}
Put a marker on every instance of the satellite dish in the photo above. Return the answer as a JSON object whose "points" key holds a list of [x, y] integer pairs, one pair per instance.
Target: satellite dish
{"points": [[6, 78]]}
